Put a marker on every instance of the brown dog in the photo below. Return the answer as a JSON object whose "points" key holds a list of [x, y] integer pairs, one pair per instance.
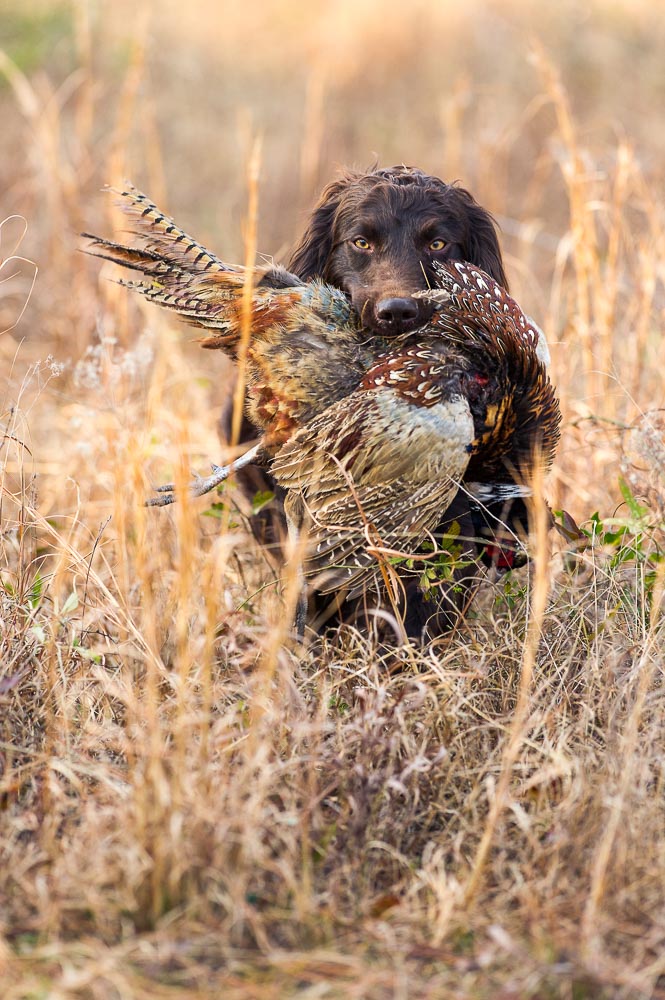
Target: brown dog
{"points": [[375, 236]]}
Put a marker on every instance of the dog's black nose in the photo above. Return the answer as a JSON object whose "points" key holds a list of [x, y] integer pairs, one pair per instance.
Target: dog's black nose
{"points": [[396, 311]]}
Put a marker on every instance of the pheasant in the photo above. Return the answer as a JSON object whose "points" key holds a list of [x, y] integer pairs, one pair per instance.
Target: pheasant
{"points": [[370, 437], [465, 399]]}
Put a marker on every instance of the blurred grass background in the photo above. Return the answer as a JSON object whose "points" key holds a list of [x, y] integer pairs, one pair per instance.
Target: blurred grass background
{"points": [[187, 807]]}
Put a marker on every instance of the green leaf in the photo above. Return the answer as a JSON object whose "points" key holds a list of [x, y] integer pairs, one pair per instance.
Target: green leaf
{"points": [[36, 590], [636, 509], [615, 537], [218, 510], [71, 604], [261, 500]]}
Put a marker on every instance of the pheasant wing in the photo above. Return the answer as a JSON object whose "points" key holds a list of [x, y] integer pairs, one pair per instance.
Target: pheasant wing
{"points": [[353, 534], [372, 471]]}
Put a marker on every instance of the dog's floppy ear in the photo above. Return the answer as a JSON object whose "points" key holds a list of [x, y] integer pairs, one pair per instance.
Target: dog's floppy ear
{"points": [[310, 255], [482, 243]]}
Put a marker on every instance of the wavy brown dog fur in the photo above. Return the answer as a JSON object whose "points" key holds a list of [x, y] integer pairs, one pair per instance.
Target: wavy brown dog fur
{"points": [[375, 235]]}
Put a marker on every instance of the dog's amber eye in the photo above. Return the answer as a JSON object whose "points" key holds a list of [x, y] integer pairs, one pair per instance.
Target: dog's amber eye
{"points": [[361, 243], [436, 245]]}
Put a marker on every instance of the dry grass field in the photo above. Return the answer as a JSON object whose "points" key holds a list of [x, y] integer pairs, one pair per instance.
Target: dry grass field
{"points": [[191, 807]]}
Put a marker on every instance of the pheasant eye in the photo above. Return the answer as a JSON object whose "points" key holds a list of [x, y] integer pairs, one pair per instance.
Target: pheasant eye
{"points": [[437, 245], [361, 243]]}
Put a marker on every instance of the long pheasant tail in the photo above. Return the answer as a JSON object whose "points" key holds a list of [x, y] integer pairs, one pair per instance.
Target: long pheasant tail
{"points": [[182, 275]]}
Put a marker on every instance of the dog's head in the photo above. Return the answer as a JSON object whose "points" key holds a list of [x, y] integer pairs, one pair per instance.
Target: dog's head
{"points": [[376, 235]]}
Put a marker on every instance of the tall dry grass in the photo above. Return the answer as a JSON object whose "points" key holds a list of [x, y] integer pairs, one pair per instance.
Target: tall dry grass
{"points": [[189, 805]]}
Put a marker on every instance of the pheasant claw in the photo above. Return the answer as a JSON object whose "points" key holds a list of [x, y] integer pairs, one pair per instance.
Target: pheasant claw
{"points": [[203, 484]]}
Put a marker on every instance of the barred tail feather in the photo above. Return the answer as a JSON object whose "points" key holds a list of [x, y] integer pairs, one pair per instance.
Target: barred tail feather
{"points": [[192, 310], [146, 261], [161, 234]]}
